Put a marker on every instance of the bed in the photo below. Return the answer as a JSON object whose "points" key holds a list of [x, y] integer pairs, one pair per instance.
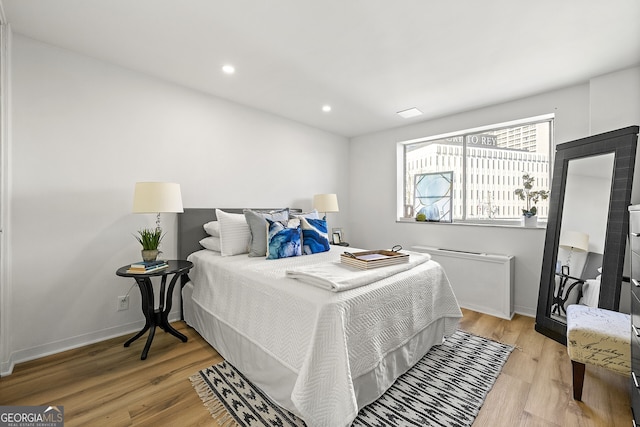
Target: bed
{"points": [[322, 355]]}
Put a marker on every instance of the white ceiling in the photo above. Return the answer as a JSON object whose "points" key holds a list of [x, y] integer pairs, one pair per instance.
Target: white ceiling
{"points": [[368, 59]]}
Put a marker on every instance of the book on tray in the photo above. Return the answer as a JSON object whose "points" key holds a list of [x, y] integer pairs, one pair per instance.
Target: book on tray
{"points": [[373, 259]]}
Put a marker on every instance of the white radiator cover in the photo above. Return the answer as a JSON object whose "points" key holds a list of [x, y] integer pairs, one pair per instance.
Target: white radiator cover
{"points": [[481, 282]]}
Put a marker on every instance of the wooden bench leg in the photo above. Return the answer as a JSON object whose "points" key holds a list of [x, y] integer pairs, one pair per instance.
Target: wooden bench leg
{"points": [[578, 379]]}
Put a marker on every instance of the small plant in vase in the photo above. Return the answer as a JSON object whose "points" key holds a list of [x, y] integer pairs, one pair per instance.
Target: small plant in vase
{"points": [[531, 197], [150, 239]]}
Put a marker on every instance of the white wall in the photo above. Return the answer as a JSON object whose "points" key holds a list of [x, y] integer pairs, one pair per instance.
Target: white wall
{"points": [[373, 175], [586, 207], [84, 131], [614, 100], [615, 103]]}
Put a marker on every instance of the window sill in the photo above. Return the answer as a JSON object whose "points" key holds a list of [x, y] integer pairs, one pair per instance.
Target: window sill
{"points": [[504, 223]]}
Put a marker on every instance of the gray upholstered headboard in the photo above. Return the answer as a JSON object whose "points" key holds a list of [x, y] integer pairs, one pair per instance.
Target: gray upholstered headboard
{"points": [[190, 230]]}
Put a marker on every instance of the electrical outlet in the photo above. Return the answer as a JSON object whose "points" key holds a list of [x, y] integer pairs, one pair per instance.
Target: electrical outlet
{"points": [[123, 302]]}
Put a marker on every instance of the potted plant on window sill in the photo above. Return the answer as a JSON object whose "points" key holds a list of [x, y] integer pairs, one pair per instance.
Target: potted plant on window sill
{"points": [[150, 239], [529, 215]]}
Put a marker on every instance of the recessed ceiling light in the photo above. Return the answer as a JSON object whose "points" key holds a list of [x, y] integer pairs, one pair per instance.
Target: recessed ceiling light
{"points": [[411, 112], [228, 69], [326, 108]]}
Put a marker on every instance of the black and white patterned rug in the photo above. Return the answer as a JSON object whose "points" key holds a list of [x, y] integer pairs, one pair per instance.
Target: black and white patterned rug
{"points": [[445, 388]]}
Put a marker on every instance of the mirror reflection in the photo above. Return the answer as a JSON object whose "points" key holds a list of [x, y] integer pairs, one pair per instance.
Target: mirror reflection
{"points": [[584, 173], [583, 230]]}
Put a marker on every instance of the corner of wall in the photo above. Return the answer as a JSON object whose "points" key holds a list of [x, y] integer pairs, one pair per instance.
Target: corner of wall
{"points": [[6, 356], [614, 100]]}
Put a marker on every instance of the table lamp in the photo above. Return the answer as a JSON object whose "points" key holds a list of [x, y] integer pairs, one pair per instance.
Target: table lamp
{"points": [[574, 241], [326, 203], [157, 197]]}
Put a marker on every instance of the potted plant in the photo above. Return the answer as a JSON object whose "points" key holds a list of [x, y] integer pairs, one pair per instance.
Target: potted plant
{"points": [[531, 197], [150, 239]]}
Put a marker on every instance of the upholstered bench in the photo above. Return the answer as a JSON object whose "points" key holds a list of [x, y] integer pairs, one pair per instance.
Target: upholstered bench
{"points": [[598, 337]]}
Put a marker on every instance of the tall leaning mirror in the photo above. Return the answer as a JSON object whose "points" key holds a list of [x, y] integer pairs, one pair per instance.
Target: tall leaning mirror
{"points": [[587, 227]]}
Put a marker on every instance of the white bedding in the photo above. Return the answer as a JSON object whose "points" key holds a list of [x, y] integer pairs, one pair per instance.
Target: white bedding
{"points": [[326, 340]]}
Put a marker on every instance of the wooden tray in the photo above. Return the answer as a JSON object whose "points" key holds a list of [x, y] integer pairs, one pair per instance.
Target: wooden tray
{"points": [[373, 259]]}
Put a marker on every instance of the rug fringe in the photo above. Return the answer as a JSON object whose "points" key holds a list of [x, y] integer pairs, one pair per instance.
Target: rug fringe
{"points": [[212, 403]]}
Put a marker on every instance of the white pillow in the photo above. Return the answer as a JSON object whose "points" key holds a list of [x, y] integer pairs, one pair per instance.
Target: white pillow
{"points": [[212, 228], [235, 234], [591, 293], [211, 243]]}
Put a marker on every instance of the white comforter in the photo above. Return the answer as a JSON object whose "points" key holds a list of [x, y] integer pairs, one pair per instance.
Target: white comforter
{"points": [[327, 338]]}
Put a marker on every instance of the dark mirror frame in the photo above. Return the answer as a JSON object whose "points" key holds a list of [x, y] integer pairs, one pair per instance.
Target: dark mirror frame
{"points": [[622, 143]]}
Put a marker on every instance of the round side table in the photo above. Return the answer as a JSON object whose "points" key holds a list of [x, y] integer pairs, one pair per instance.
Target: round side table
{"points": [[156, 316]]}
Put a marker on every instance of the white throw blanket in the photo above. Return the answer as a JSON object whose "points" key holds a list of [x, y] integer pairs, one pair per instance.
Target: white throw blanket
{"points": [[336, 276]]}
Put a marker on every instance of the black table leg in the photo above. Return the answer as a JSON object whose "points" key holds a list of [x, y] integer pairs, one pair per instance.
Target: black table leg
{"points": [[136, 336], [164, 313], [146, 292], [152, 316], [557, 304], [147, 346]]}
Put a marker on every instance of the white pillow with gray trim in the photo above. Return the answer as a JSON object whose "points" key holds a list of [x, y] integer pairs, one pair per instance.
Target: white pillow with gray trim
{"points": [[234, 233]]}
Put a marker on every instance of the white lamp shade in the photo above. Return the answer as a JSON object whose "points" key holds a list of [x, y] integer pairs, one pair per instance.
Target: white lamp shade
{"points": [[326, 203], [156, 197], [576, 240]]}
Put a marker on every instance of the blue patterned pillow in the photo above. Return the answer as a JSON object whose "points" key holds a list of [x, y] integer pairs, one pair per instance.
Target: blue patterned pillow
{"points": [[314, 235], [283, 241], [258, 227]]}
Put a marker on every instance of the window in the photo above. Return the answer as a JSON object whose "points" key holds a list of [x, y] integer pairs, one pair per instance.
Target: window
{"points": [[483, 163]]}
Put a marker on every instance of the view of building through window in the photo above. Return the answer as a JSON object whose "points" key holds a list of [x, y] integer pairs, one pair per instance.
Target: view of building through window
{"points": [[487, 168]]}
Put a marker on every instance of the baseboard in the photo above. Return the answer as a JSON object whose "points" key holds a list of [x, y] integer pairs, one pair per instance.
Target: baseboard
{"points": [[6, 367], [486, 310], [525, 311]]}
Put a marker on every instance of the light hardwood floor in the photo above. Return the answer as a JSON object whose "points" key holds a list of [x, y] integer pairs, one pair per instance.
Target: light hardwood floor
{"points": [[107, 384]]}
